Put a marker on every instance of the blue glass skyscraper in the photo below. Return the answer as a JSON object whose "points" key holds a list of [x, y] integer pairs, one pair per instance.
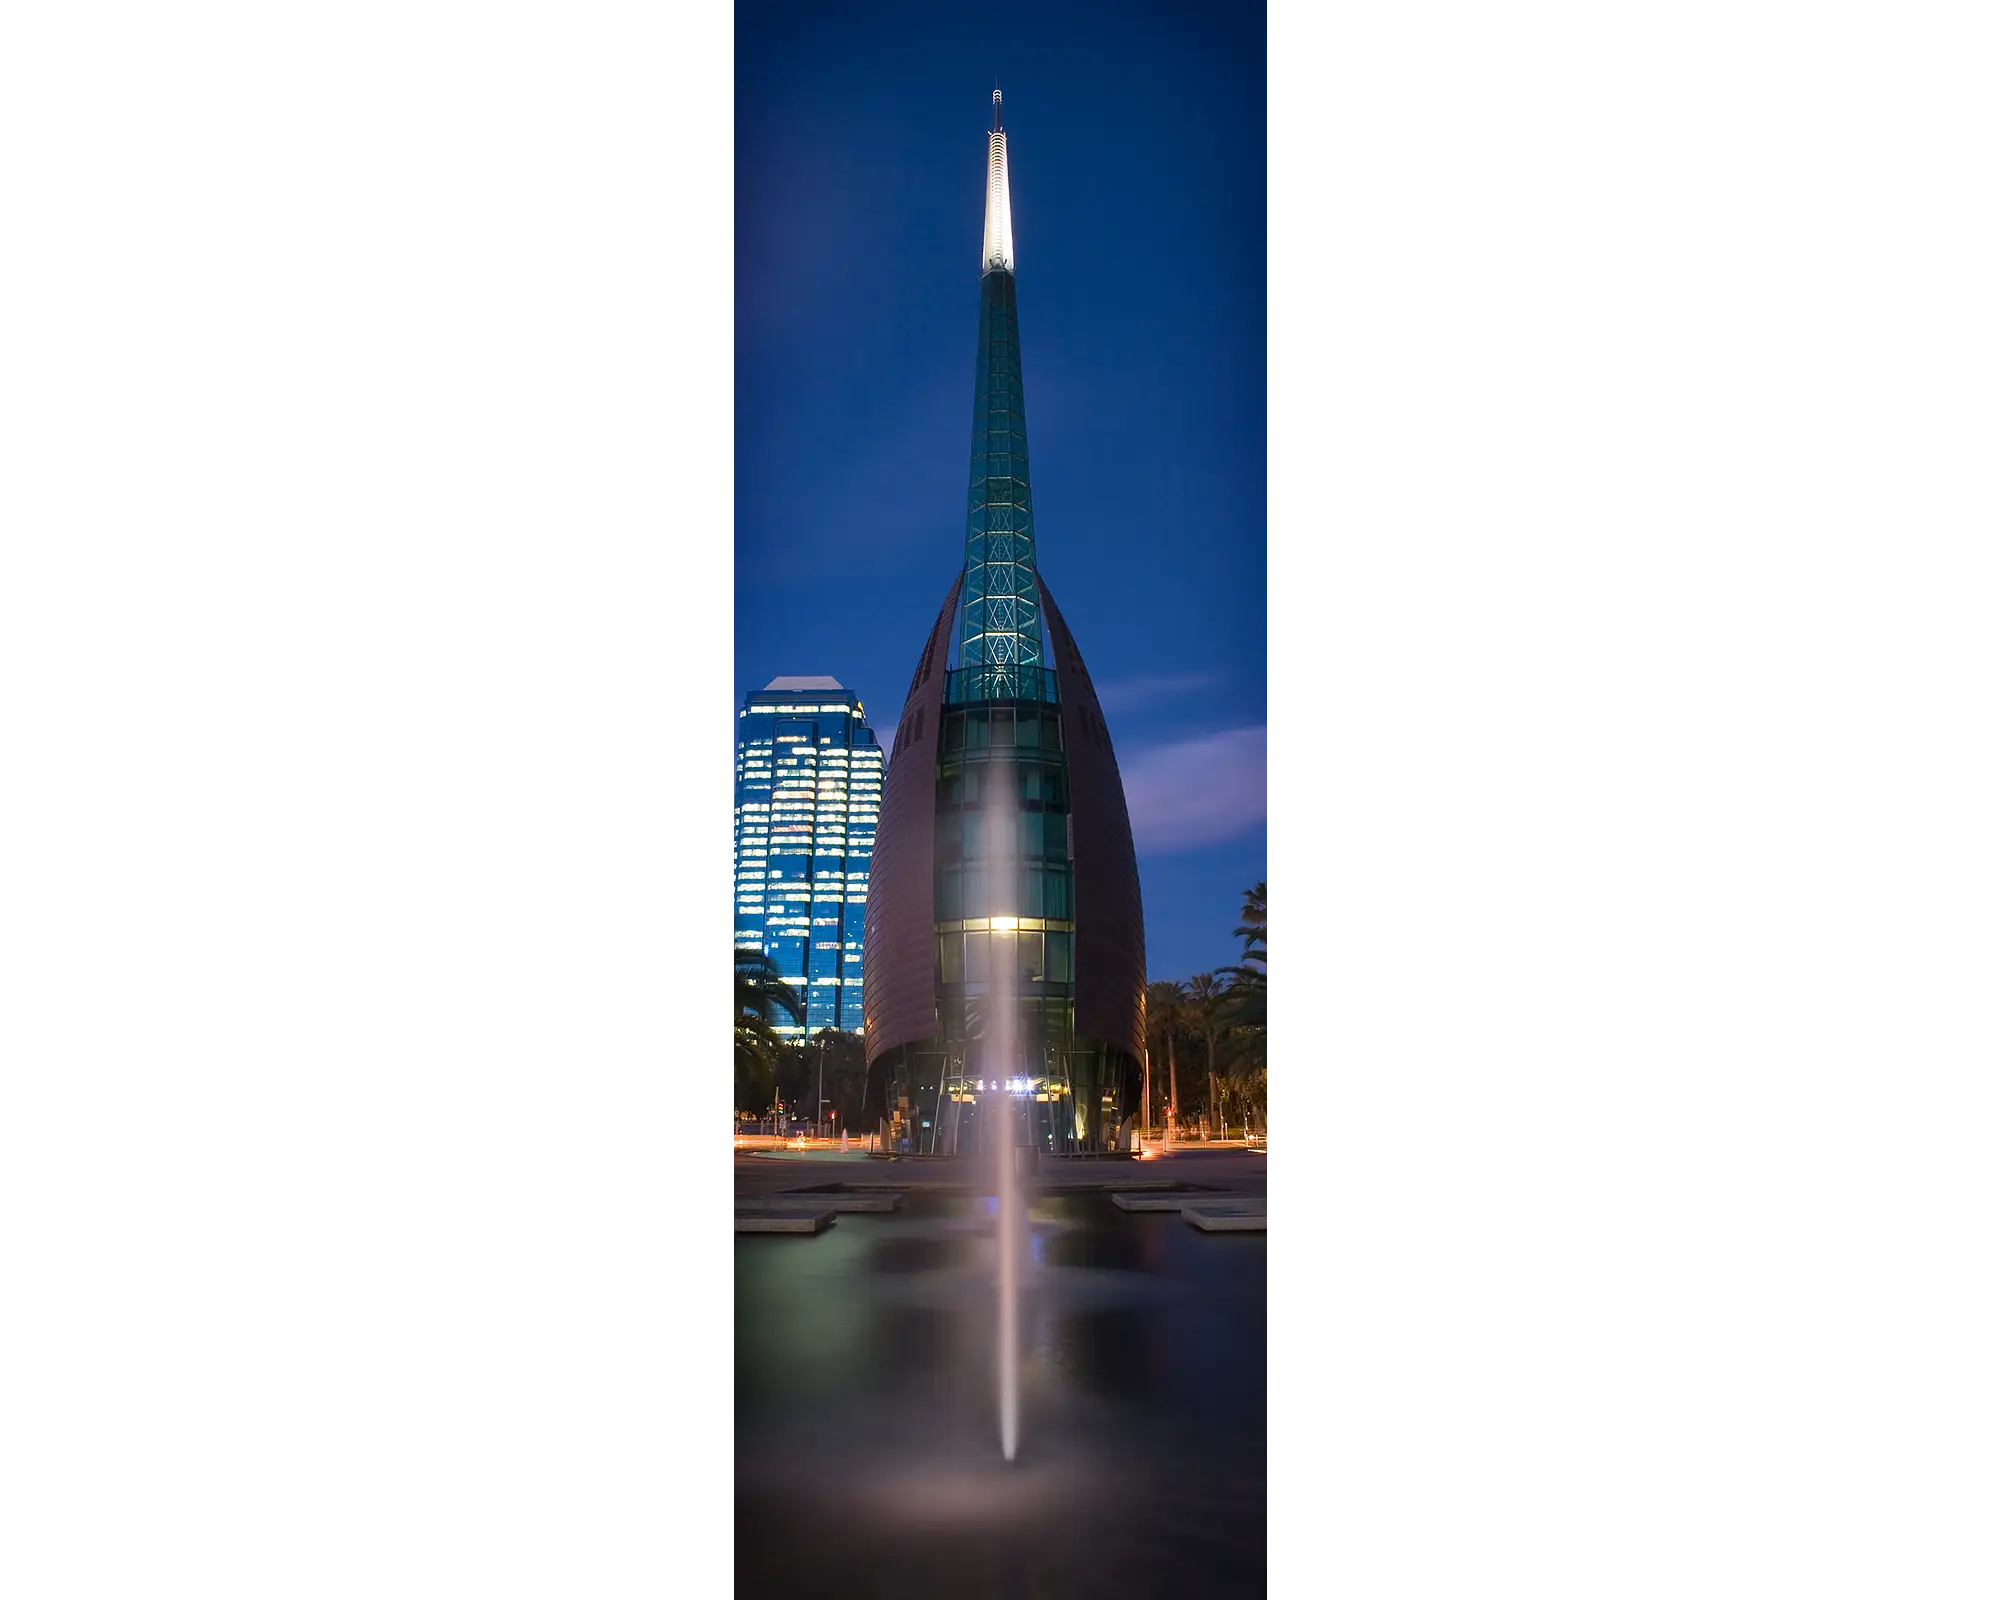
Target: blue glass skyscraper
{"points": [[808, 792]]}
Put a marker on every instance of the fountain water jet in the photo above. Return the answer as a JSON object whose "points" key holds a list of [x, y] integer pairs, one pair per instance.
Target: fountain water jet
{"points": [[1003, 1026], [1009, 1305]]}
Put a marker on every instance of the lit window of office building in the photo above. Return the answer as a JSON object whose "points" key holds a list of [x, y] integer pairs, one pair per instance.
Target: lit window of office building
{"points": [[808, 791]]}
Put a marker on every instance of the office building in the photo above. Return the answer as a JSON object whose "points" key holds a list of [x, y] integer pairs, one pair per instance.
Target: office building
{"points": [[808, 791]]}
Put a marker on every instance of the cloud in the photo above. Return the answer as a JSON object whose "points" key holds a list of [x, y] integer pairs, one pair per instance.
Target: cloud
{"points": [[1197, 792], [1138, 691]]}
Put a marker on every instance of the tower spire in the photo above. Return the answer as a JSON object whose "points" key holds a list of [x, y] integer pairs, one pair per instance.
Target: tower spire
{"points": [[998, 253], [1000, 640]]}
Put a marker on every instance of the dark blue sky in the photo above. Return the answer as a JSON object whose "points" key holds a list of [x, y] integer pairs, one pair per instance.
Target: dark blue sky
{"points": [[1136, 153]]}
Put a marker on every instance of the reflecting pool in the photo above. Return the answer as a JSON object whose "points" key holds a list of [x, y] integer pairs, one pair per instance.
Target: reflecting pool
{"points": [[868, 1462]]}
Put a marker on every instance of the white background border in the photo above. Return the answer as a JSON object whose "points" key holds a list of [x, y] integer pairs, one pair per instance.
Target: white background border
{"points": [[1633, 786]]}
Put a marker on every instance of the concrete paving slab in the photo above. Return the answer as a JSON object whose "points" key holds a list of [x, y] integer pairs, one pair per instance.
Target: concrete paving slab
{"points": [[784, 1221], [831, 1199], [1167, 1200], [1233, 1214]]}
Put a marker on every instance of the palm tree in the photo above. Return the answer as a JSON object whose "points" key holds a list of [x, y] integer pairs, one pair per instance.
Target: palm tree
{"points": [[1204, 1012], [1242, 1007], [1252, 931], [1248, 981], [1166, 1004], [761, 995]]}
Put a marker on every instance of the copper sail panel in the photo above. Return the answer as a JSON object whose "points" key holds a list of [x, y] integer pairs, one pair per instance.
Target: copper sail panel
{"points": [[899, 940], [1110, 929]]}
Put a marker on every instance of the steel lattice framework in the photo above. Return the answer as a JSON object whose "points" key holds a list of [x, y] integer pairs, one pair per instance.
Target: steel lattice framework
{"points": [[1001, 626]]}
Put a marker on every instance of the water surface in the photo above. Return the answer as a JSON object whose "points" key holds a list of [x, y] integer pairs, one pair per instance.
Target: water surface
{"points": [[867, 1448]]}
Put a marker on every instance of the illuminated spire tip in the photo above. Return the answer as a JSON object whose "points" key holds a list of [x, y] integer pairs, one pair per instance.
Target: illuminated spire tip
{"points": [[999, 248]]}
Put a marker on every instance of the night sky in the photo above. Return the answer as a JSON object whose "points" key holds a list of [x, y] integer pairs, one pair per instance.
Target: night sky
{"points": [[1136, 151]]}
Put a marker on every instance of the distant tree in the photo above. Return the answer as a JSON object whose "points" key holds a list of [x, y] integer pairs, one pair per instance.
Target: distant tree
{"points": [[1241, 1011], [1248, 979], [1252, 930], [837, 1060], [1244, 1091], [1166, 1005], [1203, 1009], [762, 996]]}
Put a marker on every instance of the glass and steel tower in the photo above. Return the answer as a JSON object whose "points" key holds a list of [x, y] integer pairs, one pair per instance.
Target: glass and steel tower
{"points": [[808, 791], [1005, 876], [1000, 628]]}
